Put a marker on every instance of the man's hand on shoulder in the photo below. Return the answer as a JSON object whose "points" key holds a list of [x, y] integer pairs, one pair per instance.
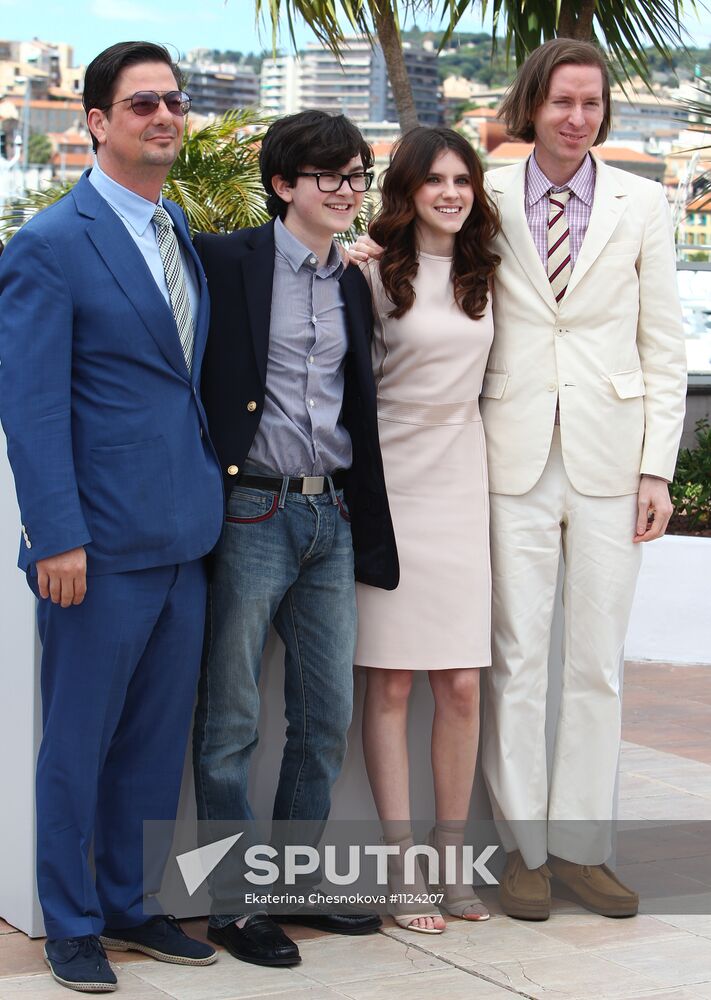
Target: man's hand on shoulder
{"points": [[63, 577], [654, 508]]}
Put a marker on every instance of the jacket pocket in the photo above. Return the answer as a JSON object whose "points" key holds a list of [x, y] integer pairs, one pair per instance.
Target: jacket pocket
{"points": [[129, 497], [494, 384], [628, 384], [622, 248]]}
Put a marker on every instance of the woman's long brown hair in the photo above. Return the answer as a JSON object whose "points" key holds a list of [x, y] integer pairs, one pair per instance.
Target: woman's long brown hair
{"points": [[394, 226]]}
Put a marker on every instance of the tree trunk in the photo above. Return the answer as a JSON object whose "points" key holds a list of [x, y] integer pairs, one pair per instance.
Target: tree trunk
{"points": [[395, 62], [584, 27], [566, 21], [578, 26]]}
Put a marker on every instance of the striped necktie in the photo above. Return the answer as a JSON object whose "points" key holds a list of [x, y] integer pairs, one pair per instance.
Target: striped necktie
{"points": [[559, 266], [175, 280]]}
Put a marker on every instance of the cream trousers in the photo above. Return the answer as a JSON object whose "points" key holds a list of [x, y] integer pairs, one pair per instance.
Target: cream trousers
{"points": [[564, 806]]}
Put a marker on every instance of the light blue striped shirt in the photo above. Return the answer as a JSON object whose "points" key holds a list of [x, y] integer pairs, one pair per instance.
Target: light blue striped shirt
{"points": [[300, 433], [136, 213]]}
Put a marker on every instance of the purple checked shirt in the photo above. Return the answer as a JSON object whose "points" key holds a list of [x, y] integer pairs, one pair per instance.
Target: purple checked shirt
{"points": [[577, 211]]}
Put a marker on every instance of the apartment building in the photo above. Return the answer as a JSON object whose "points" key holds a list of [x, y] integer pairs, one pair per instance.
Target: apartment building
{"points": [[219, 87], [356, 84], [46, 67], [695, 227]]}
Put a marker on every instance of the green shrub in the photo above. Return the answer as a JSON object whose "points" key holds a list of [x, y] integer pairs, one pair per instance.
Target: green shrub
{"points": [[691, 489]]}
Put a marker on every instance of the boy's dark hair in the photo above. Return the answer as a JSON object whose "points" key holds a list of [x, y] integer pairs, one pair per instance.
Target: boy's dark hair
{"points": [[530, 88], [311, 138], [102, 72]]}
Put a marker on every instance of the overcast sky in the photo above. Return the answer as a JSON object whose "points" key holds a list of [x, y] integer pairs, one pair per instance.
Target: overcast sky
{"points": [[91, 25]]}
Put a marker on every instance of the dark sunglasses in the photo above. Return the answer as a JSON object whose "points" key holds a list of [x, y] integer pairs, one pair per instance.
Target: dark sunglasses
{"points": [[145, 102]]}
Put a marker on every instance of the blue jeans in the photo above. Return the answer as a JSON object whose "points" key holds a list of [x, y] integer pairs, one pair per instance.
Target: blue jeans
{"points": [[286, 559]]}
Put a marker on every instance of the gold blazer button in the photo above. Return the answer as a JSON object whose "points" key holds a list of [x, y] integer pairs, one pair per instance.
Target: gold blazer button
{"points": [[251, 406], [232, 470]]}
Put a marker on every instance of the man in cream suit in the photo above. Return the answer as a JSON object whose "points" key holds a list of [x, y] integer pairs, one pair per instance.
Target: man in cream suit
{"points": [[583, 402]]}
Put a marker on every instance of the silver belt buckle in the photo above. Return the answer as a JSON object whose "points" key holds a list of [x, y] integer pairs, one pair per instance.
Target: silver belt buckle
{"points": [[312, 484]]}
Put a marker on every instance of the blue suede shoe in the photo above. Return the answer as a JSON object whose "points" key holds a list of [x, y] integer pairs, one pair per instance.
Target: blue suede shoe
{"points": [[161, 938], [80, 964]]}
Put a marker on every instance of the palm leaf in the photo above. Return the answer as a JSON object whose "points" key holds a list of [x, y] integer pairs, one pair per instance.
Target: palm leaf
{"points": [[17, 213], [625, 27]]}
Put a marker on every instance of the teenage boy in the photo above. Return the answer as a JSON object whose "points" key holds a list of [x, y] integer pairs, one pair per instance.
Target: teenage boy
{"points": [[289, 392]]}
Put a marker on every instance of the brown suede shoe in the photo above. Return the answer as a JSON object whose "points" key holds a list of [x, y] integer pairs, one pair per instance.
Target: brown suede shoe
{"points": [[596, 887], [525, 893]]}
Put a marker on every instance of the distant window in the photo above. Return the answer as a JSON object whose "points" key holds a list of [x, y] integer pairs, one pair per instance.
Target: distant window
{"points": [[694, 280]]}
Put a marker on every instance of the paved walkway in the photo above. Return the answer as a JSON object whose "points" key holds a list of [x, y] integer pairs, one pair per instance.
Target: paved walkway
{"points": [[665, 774]]}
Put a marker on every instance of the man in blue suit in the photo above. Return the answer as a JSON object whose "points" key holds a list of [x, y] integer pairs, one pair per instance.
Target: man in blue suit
{"points": [[103, 320]]}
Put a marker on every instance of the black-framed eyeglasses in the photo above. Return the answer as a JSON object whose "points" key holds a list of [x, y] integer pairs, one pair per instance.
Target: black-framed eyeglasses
{"points": [[145, 102], [328, 181]]}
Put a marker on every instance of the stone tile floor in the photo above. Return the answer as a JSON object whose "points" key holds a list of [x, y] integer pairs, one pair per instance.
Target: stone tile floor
{"points": [[665, 775]]}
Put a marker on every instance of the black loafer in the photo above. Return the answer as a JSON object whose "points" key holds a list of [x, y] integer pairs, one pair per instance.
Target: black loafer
{"points": [[336, 923], [260, 941]]}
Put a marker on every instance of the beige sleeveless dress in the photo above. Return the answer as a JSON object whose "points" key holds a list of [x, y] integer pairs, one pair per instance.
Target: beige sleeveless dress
{"points": [[429, 367]]}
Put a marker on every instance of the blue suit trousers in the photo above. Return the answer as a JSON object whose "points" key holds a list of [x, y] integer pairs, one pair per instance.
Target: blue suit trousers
{"points": [[119, 676]]}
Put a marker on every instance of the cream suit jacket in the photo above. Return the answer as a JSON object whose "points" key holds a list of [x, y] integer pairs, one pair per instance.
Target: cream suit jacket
{"points": [[612, 351]]}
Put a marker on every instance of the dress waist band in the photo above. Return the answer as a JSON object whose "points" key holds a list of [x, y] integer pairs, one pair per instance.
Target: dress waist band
{"points": [[411, 412]]}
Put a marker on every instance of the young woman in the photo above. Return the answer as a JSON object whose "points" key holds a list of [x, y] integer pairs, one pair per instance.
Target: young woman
{"points": [[433, 330]]}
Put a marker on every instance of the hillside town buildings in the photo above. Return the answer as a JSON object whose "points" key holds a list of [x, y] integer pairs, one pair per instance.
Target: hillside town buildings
{"points": [[652, 134]]}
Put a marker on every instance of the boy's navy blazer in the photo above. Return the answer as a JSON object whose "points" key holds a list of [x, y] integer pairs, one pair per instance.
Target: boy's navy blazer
{"points": [[240, 273]]}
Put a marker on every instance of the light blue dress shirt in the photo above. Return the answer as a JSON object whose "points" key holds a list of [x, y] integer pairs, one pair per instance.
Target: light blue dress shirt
{"points": [[300, 432], [136, 213]]}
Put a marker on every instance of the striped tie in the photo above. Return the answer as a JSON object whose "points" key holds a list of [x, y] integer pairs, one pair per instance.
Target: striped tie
{"points": [[175, 279], [559, 266]]}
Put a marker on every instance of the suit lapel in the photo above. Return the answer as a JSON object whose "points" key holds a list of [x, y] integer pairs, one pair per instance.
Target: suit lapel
{"points": [[609, 202], [123, 259], [258, 276], [514, 227]]}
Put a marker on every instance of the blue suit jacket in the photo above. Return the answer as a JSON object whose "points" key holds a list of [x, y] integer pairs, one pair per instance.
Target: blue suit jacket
{"points": [[106, 432]]}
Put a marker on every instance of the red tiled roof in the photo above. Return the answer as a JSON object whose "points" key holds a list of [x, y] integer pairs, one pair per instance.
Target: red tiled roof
{"points": [[492, 134], [480, 113], [511, 151], [700, 204], [72, 135], [64, 104], [624, 155], [609, 154], [72, 159]]}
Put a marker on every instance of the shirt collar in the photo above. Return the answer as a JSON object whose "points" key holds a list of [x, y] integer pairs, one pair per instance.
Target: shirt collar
{"points": [[582, 183], [297, 255], [135, 210]]}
